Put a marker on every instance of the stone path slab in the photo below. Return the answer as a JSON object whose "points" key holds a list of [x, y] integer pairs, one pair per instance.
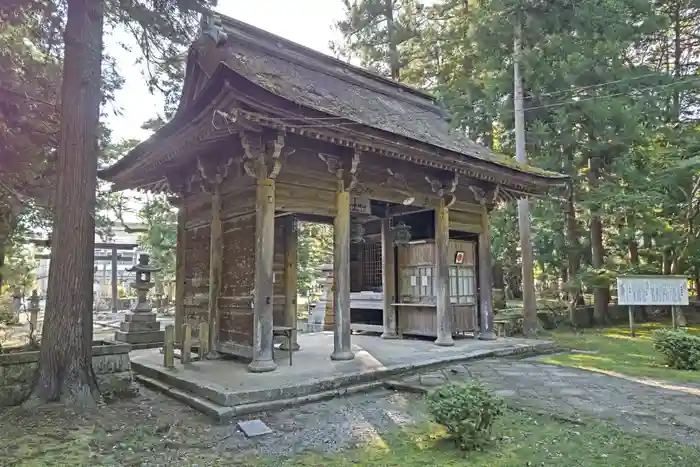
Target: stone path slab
{"points": [[666, 410]]}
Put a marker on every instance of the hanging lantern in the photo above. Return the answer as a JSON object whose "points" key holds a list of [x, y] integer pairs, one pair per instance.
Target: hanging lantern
{"points": [[401, 233], [357, 233]]}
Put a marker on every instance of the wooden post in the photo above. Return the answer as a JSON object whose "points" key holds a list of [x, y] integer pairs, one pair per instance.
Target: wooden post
{"points": [[485, 278], [180, 271], [341, 278], [674, 324], [630, 312], [263, 355], [169, 347], [215, 253], [186, 354], [442, 272], [115, 289], [203, 339], [290, 281], [388, 281]]}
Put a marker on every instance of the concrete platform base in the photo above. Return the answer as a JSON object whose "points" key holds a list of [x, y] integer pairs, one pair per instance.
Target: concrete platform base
{"points": [[225, 388]]}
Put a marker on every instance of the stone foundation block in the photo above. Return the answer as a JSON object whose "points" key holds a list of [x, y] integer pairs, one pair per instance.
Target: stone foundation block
{"points": [[143, 337], [147, 317], [139, 326]]}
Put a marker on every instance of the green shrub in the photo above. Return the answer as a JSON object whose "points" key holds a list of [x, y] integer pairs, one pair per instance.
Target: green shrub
{"points": [[466, 411], [681, 349], [7, 315]]}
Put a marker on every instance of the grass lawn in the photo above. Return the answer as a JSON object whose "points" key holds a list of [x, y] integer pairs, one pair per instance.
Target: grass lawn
{"points": [[616, 351], [520, 440]]}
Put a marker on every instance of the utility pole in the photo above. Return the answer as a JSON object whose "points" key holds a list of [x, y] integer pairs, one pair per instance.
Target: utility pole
{"points": [[530, 325]]}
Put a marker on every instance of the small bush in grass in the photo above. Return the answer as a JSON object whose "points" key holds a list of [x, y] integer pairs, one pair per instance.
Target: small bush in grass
{"points": [[681, 349], [466, 411]]}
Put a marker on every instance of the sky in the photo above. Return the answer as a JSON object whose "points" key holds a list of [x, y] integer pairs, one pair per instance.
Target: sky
{"points": [[307, 22]]}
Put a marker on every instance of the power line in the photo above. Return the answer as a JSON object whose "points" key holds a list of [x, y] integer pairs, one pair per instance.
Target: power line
{"points": [[599, 85], [412, 117]]}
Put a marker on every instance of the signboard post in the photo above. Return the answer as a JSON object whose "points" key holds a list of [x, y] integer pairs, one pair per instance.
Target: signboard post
{"points": [[652, 290]]}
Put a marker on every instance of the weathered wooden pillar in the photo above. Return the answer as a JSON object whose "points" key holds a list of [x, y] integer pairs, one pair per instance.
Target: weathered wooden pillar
{"points": [[263, 353], [442, 273], [341, 274], [290, 280], [115, 288], [180, 271], [485, 278], [215, 262], [388, 281]]}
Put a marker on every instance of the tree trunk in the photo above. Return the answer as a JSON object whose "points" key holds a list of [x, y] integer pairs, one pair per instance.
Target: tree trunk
{"points": [[573, 241], [2, 259], [394, 62], [680, 317], [600, 294], [65, 364]]}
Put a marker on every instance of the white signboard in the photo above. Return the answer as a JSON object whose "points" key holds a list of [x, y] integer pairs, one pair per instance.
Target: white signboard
{"points": [[652, 290]]}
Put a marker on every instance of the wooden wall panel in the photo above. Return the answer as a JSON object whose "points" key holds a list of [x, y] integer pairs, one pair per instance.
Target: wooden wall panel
{"points": [[420, 254], [237, 281], [198, 209], [304, 200], [465, 221], [196, 281], [238, 202], [278, 275]]}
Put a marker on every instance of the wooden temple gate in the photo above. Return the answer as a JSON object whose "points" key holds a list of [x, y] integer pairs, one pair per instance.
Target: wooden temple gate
{"points": [[269, 133]]}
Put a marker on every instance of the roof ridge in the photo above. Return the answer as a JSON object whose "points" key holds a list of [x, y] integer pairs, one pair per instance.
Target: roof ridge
{"points": [[326, 62]]}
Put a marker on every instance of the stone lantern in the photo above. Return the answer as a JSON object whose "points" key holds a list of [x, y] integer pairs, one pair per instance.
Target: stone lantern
{"points": [[33, 310], [143, 284], [141, 328]]}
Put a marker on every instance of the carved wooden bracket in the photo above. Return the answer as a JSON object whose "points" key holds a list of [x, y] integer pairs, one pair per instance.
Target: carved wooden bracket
{"points": [[444, 190], [177, 183], [346, 181], [212, 174], [397, 181], [261, 157], [483, 197]]}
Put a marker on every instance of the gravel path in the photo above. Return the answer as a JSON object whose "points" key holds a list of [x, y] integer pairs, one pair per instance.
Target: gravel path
{"points": [[661, 409]]}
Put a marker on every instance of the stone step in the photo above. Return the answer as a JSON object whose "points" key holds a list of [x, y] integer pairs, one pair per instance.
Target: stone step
{"points": [[207, 407], [223, 413]]}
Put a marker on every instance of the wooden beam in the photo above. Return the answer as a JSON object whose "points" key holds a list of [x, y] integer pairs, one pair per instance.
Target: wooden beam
{"points": [[485, 284], [388, 281], [215, 258], [263, 357], [290, 280], [442, 271]]}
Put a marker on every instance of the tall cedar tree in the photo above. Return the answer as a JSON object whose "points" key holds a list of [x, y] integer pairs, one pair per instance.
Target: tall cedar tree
{"points": [[65, 364]]}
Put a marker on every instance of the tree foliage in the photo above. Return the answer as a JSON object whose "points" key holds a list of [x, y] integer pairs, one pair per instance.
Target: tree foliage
{"points": [[611, 92], [314, 249]]}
